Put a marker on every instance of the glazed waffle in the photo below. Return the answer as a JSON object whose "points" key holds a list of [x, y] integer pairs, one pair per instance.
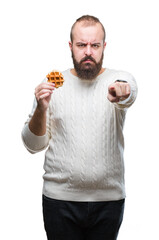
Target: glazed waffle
{"points": [[56, 77]]}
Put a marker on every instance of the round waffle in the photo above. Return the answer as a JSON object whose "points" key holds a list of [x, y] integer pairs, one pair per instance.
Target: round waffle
{"points": [[56, 77]]}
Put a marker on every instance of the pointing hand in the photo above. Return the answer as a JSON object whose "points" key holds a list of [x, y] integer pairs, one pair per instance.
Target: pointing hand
{"points": [[118, 91]]}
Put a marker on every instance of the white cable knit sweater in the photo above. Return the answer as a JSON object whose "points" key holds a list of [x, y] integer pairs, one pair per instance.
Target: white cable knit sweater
{"points": [[84, 160]]}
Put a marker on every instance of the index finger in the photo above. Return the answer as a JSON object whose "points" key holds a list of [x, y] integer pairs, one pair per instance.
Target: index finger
{"points": [[46, 85]]}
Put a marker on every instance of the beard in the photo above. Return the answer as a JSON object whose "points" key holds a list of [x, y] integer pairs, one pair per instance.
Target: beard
{"points": [[87, 71]]}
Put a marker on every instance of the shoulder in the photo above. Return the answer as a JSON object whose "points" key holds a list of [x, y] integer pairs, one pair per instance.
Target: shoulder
{"points": [[122, 75], [66, 73]]}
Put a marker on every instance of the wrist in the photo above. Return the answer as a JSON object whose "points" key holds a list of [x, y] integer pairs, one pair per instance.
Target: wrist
{"points": [[41, 110]]}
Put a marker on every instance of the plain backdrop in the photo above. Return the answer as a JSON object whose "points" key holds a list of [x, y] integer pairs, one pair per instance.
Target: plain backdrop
{"points": [[34, 40]]}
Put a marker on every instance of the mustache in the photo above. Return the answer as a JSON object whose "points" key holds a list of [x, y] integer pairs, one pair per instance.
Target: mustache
{"points": [[87, 58]]}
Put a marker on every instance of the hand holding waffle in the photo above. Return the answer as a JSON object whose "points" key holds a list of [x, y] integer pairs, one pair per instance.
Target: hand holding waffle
{"points": [[43, 95], [44, 90], [118, 91]]}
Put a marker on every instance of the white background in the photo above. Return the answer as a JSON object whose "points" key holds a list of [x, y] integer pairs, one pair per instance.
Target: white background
{"points": [[34, 40]]}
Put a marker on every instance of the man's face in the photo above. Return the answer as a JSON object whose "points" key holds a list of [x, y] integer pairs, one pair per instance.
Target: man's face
{"points": [[87, 50]]}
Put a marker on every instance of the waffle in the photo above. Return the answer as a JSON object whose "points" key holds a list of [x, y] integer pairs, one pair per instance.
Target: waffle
{"points": [[56, 77]]}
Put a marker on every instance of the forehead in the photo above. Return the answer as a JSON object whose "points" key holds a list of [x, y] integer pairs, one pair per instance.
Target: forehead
{"points": [[88, 33]]}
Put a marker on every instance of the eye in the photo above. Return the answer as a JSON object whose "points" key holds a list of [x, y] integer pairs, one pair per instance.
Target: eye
{"points": [[95, 46], [81, 45]]}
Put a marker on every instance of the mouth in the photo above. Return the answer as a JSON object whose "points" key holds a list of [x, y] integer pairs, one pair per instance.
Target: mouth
{"points": [[88, 61]]}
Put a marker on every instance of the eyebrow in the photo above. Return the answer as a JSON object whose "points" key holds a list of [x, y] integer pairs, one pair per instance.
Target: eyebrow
{"points": [[96, 43]]}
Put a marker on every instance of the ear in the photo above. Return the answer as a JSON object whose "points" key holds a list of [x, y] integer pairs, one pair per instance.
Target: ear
{"points": [[105, 45], [70, 45]]}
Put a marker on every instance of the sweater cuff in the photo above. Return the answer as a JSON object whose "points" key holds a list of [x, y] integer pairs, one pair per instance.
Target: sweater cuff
{"points": [[32, 142]]}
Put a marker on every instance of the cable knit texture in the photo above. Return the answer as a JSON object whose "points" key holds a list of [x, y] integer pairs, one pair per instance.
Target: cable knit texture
{"points": [[84, 160]]}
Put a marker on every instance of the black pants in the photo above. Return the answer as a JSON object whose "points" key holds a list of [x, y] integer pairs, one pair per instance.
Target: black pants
{"points": [[66, 220]]}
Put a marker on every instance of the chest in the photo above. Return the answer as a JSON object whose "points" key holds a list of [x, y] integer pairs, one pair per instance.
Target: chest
{"points": [[80, 102]]}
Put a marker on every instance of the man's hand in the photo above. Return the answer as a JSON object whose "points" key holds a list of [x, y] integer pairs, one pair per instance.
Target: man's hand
{"points": [[118, 91], [43, 95]]}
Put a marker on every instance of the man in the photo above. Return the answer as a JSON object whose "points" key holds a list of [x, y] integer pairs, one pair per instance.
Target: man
{"points": [[81, 123]]}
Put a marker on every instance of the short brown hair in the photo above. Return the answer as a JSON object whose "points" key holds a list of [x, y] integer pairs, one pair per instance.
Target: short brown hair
{"points": [[89, 20]]}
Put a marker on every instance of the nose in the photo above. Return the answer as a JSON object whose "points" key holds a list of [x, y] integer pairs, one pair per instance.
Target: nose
{"points": [[88, 50]]}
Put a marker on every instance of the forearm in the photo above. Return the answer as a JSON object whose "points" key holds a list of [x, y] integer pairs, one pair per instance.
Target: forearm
{"points": [[34, 134], [37, 124]]}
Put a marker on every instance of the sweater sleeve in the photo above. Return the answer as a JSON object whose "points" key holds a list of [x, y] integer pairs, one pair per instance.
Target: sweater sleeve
{"points": [[133, 94], [32, 142]]}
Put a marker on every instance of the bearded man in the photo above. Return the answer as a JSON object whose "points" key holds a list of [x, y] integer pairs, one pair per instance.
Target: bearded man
{"points": [[81, 125]]}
